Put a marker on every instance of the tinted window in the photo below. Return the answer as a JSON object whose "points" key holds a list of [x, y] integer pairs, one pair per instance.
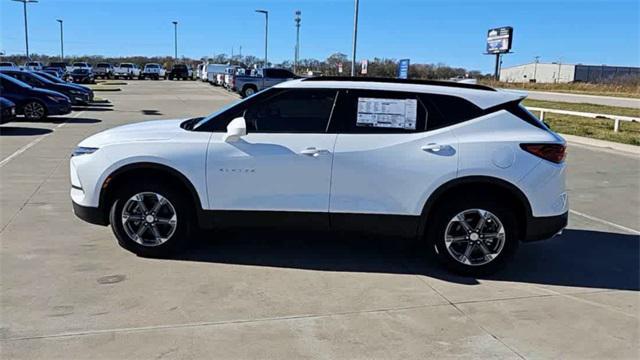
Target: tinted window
{"points": [[292, 111], [380, 112], [279, 73], [102, 65], [453, 109]]}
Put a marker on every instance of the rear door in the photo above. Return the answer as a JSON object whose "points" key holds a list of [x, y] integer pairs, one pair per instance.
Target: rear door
{"points": [[386, 161]]}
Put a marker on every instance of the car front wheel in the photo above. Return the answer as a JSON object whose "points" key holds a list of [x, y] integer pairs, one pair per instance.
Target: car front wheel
{"points": [[151, 219], [474, 237], [34, 111]]}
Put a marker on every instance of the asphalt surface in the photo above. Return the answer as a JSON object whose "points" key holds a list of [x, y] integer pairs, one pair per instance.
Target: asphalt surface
{"points": [[68, 291], [579, 98]]}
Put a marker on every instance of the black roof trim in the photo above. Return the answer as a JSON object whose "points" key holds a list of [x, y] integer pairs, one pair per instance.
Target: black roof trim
{"points": [[401, 81]]}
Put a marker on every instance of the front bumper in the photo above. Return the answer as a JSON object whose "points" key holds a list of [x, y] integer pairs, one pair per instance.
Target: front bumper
{"points": [[90, 214], [542, 228], [59, 109]]}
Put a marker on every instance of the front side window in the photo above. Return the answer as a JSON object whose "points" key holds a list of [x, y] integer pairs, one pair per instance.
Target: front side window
{"points": [[292, 111]]}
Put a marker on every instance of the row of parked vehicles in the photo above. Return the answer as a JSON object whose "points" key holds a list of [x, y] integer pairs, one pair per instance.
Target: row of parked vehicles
{"points": [[37, 94], [242, 80], [84, 72]]}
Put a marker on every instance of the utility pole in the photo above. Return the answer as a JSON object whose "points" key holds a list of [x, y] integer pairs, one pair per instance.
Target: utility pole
{"points": [[297, 19], [535, 68], [61, 41], [355, 39], [266, 34], [175, 40], [26, 27], [497, 71]]}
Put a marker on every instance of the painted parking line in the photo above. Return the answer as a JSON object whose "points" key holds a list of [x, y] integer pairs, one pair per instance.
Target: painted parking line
{"points": [[34, 142], [602, 221]]}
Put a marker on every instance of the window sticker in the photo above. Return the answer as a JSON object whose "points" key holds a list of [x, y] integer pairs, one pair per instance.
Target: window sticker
{"points": [[387, 113]]}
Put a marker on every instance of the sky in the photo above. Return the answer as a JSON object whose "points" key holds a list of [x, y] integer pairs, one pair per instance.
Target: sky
{"points": [[429, 31]]}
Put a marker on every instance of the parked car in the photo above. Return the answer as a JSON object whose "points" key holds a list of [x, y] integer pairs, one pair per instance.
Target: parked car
{"points": [[7, 111], [58, 80], [33, 65], [64, 66], [229, 74], [213, 70], [103, 71], [82, 76], [464, 168], [55, 71], [219, 80], [76, 95], [126, 70], [181, 71], [201, 72], [81, 65], [34, 103], [153, 71], [8, 65], [264, 78]]}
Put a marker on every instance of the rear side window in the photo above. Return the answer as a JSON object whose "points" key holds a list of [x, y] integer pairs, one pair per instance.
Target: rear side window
{"points": [[453, 110], [380, 112], [292, 111]]}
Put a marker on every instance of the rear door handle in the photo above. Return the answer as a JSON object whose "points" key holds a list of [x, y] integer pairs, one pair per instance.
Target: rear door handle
{"points": [[433, 147]]}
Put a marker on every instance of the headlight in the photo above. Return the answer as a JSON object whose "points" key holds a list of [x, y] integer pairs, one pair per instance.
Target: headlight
{"points": [[77, 92], [56, 98], [81, 150]]}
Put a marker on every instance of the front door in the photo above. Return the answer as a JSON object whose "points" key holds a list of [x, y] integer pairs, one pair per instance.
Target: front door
{"points": [[284, 161]]}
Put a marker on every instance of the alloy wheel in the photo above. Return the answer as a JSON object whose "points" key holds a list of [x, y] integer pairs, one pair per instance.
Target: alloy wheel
{"points": [[33, 110], [149, 219], [474, 237]]}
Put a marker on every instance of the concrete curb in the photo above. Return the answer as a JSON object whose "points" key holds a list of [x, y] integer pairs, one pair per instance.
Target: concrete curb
{"points": [[603, 145]]}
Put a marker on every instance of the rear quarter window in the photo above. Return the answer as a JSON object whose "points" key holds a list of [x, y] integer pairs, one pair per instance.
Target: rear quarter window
{"points": [[452, 110]]}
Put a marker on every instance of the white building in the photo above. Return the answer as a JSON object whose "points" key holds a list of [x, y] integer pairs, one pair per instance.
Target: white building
{"points": [[564, 73], [540, 73]]}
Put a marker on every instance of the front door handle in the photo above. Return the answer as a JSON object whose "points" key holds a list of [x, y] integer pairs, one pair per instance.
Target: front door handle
{"points": [[311, 151], [433, 147]]}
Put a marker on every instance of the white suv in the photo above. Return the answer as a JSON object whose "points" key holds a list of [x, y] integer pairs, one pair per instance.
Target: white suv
{"points": [[463, 166]]}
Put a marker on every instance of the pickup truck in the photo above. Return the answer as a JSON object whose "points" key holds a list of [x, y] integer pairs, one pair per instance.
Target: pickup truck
{"points": [[126, 70], [103, 70], [265, 78], [181, 71], [153, 71]]}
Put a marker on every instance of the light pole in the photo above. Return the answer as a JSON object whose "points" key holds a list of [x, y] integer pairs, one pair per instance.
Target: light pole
{"points": [[266, 34], [175, 40], [535, 68], [355, 39], [297, 53], [61, 41], [26, 31]]}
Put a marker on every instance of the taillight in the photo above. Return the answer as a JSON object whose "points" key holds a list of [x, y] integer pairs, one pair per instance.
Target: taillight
{"points": [[550, 152]]}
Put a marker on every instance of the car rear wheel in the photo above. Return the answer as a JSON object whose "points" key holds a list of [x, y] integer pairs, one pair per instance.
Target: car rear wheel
{"points": [[34, 111], [474, 237], [248, 91], [151, 219]]}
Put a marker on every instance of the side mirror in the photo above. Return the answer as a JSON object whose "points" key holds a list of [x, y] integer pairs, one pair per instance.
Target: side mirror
{"points": [[235, 130]]}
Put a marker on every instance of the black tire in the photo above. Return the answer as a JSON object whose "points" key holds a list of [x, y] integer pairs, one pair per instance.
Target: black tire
{"points": [[248, 91], [34, 110], [438, 226], [176, 242]]}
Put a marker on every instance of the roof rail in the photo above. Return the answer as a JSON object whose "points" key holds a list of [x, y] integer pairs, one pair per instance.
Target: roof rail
{"points": [[401, 81]]}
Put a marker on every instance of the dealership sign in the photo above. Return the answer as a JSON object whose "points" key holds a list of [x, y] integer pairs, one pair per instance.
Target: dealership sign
{"points": [[499, 40]]}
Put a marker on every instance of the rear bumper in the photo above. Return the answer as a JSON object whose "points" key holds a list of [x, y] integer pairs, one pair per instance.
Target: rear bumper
{"points": [[541, 228], [90, 214]]}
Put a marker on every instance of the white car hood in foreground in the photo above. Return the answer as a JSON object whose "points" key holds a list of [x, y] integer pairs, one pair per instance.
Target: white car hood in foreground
{"points": [[142, 131]]}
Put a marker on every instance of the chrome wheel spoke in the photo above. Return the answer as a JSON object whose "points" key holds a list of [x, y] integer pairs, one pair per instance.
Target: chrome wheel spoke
{"points": [[474, 245], [464, 223], [481, 222], [141, 222], [453, 239]]}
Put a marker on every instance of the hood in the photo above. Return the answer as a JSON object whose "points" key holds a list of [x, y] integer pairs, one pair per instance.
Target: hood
{"points": [[156, 130], [5, 103]]}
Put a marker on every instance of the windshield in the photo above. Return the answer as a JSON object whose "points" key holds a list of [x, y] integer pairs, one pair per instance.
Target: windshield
{"points": [[14, 81], [152, 66], [50, 77], [80, 71], [126, 65], [218, 112], [33, 64], [102, 65], [6, 64], [179, 67]]}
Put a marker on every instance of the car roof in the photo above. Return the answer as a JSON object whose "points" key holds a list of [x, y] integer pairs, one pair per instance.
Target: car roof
{"points": [[482, 96]]}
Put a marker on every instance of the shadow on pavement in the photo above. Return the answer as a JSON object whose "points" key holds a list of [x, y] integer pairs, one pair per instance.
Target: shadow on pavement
{"points": [[91, 108], [151, 112], [578, 258], [22, 131], [74, 120]]}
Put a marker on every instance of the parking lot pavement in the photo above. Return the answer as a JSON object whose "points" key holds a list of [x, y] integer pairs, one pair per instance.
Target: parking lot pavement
{"points": [[68, 291]]}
